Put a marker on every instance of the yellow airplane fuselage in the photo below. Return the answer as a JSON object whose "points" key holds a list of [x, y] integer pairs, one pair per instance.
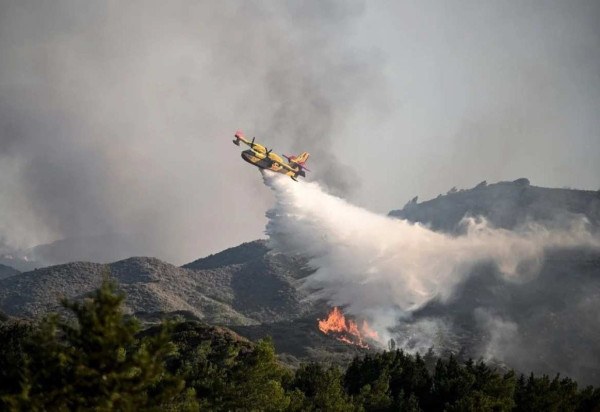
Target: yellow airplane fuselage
{"points": [[272, 161]]}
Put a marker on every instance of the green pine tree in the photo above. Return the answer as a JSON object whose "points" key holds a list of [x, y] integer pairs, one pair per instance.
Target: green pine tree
{"points": [[97, 362], [322, 388]]}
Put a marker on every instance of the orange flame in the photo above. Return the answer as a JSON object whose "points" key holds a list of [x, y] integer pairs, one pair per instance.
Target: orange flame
{"points": [[347, 330]]}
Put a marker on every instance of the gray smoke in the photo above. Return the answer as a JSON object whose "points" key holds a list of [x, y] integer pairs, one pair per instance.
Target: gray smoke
{"points": [[116, 118], [314, 91]]}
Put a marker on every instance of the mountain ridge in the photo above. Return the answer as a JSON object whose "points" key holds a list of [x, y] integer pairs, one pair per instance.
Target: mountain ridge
{"points": [[505, 205], [255, 288]]}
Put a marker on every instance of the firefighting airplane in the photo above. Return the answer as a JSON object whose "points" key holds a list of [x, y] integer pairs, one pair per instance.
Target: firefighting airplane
{"points": [[259, 156]]}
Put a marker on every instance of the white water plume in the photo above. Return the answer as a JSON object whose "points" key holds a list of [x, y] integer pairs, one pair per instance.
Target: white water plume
{"points": [[382, 268]]}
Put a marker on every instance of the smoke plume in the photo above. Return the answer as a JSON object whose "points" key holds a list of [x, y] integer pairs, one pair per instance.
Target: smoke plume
{"points": [[116, 118], [393, 272]]}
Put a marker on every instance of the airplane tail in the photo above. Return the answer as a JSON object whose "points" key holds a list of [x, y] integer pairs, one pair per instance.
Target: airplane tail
{"points": [[302, 158], [298, 161]]}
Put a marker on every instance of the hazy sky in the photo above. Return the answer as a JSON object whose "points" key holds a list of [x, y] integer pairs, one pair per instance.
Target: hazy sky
{"points": [[117, 117]]}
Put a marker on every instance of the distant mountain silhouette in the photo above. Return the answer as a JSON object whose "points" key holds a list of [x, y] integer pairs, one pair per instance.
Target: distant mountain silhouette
{"points": [[506, 205]]}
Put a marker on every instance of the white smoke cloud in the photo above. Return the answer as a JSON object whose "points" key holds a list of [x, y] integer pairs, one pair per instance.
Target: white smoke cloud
{"points": [[503, 335], [383, 269]]}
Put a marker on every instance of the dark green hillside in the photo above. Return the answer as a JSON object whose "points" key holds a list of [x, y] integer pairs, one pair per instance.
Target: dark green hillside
{"points": [[250, 285], [235, 255], [255, 281], [151, 286]]}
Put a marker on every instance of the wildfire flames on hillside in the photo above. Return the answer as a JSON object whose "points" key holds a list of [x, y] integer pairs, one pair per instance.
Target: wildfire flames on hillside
{"points": [[347, 330]]}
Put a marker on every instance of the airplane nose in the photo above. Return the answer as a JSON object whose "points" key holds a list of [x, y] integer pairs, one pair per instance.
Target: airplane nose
{"points": [[246, 157]]}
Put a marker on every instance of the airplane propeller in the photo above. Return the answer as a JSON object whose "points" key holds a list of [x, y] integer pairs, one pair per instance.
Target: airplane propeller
{"points": [[252, 142]]}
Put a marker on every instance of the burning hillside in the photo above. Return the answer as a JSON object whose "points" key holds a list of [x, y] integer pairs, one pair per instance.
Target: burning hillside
{"points": [[347, 330]]}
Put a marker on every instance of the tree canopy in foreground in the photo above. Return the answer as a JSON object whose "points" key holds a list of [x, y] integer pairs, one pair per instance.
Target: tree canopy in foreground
{"points": [[100, 359]]}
